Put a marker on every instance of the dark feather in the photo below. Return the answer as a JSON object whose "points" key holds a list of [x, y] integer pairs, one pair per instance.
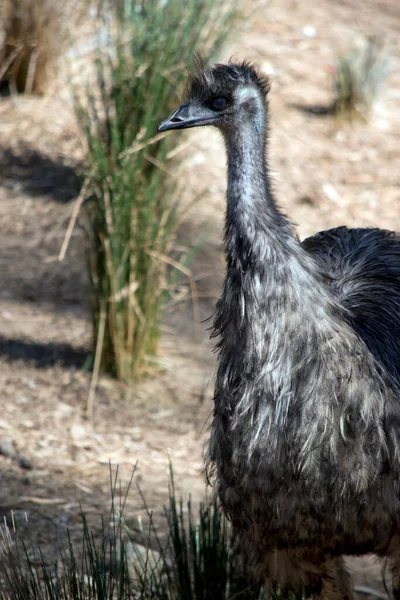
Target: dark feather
{"points": [[364, 270], [222, 80]]}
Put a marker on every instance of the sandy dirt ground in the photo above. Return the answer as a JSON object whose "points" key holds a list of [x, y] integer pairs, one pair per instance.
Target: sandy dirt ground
{"points": [[326, 173]]}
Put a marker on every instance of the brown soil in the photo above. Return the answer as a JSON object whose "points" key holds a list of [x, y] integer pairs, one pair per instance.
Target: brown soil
{"points": [[326, 173]]}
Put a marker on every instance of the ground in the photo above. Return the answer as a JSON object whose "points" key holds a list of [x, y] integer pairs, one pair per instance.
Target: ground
{"points": [[326, 173]]}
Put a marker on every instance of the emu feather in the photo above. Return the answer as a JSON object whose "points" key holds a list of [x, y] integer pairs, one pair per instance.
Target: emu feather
{"points": [[305, 437]]}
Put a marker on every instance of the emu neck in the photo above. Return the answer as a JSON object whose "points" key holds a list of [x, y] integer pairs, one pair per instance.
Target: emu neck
{"points": [[275, 313], [271, 281], [254, 225]]}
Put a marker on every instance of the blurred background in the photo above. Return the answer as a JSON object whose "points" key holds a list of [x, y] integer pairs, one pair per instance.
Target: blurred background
{"points": [[111, 234]]}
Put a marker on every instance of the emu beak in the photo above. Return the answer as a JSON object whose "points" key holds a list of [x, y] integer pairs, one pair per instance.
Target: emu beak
{"points": [[188, 115]]}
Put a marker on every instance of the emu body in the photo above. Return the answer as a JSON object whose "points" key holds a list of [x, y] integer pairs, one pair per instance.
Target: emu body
{"points": [[305, 436]]}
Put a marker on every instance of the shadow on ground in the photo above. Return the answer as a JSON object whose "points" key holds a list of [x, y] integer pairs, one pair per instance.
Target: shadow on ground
{"points": [[43, 355], [44, 513], [33, 280], [38, 174], [32, 235]]}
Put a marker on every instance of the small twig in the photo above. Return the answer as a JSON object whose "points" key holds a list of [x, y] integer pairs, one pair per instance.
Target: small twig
{"points": [[10, 59], [108, 209], [78, 203], [361, 589], [136, 147], [193, 287], [180, 148], [44, 501], [159, 165], [30, 78], [97, 361]]}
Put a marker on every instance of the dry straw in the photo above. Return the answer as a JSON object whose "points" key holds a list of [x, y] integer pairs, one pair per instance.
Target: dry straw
{"points": [[33, 36]]}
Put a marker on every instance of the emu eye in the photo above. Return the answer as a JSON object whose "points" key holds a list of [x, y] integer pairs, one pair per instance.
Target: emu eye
{"points": [[219, 103]]}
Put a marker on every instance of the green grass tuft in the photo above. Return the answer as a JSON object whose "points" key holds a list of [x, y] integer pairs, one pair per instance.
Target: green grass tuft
{"points": [[132, 211], [204, 565], [359, 77], [197, 562]]}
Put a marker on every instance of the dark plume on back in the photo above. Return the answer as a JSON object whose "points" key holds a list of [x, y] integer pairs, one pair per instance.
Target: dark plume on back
{"points": [[364, 270]]}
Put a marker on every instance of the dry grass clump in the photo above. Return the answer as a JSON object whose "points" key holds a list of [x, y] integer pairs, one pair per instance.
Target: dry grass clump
{"points": [[359, 77], [33, 35]]}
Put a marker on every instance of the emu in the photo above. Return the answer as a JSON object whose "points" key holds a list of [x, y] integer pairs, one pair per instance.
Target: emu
{"points": [[305, 436]]}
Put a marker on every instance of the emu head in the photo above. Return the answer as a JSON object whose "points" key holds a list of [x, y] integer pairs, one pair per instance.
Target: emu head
{"points": [[225, 96]]}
